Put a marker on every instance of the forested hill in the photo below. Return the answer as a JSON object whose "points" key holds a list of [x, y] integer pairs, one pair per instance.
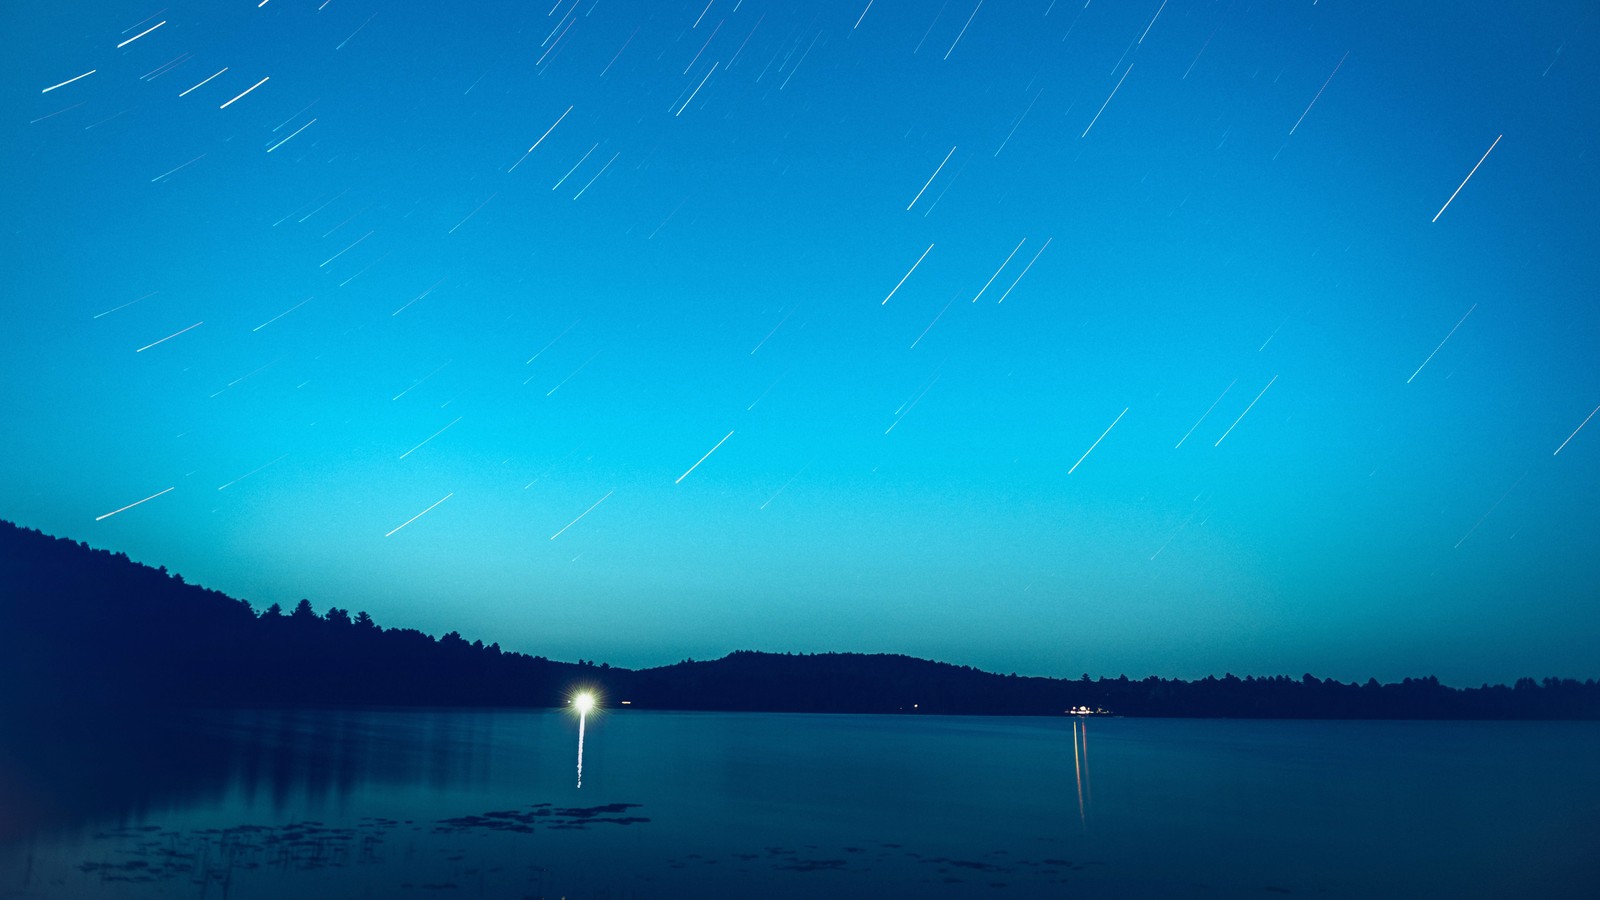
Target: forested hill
{"points": [[79, 625], [853, 682], [82, 627]]}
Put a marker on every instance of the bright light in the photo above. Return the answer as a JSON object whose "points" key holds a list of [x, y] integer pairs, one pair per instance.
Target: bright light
{"points": [[583, 702]]}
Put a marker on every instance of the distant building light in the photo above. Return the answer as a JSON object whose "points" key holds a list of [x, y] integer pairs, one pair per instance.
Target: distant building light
{"points": [[627, 703]]}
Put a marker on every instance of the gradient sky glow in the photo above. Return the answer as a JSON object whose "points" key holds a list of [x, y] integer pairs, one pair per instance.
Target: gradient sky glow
{"points": [[366, 254]]}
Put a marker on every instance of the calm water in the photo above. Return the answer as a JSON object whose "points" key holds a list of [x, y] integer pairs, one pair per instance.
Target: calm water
{"points": [[487, 804]]}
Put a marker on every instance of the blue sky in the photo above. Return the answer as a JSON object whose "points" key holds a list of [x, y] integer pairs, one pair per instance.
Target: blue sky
{"points": [[1213, 228]]}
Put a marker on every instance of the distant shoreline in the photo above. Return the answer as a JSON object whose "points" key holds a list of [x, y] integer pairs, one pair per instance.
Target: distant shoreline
{"points": [[87, 629]]}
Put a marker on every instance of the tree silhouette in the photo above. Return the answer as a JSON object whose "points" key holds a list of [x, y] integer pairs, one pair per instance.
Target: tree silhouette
{"points": [[83, 628]]}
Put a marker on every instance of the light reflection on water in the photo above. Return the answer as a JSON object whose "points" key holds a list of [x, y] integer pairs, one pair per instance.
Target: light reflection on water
{"points": [[380, 803], [1080, 758], [583, 715]]}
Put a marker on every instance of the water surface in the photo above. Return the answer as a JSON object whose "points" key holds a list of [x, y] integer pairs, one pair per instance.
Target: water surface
{"points": [[486, 803]]}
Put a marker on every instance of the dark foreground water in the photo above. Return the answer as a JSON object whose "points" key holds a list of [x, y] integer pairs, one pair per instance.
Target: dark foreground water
{"points": [[318, 804]]}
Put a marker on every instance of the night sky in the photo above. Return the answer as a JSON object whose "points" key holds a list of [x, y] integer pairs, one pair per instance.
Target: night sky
{"points": [[1113, 337]]}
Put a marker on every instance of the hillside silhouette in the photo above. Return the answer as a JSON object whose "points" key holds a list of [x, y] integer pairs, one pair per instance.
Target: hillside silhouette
{"points": [[82, 628]]}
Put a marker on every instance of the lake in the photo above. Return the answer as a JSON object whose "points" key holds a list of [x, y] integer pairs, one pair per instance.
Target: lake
{"points": [[343, 804]]}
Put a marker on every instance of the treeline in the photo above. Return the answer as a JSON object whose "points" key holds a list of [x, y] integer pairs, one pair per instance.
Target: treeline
{"points": [[83, 627], [852, 682]]}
